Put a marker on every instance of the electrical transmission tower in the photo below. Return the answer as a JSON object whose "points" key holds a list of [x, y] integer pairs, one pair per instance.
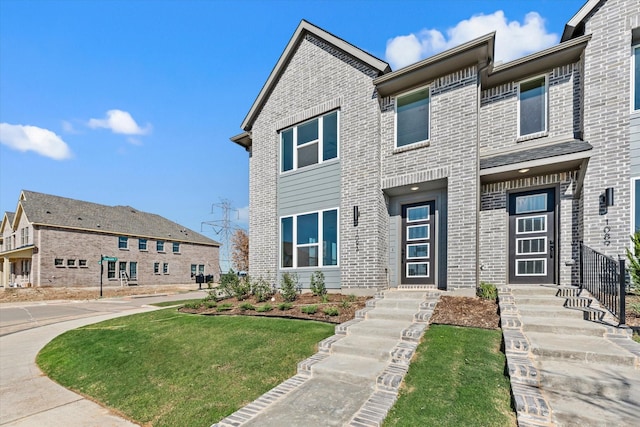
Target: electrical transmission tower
{"points": [[224, 227]]}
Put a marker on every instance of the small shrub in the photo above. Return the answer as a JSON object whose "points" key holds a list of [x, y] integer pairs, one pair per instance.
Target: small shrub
{"points": [[264, 308], [211, 296], [246, 306], [210, 304], [289, 286], [635, 308], [324, 298], [351, 298], [225, 307], [228, 282], [331, 311], [317, 283], [634, 263], [283, 306], [194, 305], [345, 303], [487, 291], [261, 289], [309, 309]]}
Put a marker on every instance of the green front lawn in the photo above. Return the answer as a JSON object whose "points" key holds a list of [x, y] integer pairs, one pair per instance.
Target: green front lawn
{"points": [[173, 369], [456, 379]]}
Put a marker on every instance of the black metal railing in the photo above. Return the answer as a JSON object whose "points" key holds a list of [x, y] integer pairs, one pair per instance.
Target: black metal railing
{"points": [[606, 280]]}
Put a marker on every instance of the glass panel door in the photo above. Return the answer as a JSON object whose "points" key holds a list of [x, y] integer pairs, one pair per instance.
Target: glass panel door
{"points": [[418, 244]]}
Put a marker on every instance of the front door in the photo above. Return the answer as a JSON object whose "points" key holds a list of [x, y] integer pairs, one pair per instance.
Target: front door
{"points": [[418, 243], [532, 230]]}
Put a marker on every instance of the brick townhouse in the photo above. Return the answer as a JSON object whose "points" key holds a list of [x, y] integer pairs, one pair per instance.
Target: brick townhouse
{"points": [[56, 241], [452, 170]]}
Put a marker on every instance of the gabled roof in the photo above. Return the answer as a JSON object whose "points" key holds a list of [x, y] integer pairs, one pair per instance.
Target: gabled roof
{"points": [[574, 26], [304, 28], [475, 52], [55, 211], [7, 221], [537, 62]]}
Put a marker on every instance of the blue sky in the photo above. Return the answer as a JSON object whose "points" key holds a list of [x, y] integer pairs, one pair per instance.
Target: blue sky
{"points": [[133, 102]]}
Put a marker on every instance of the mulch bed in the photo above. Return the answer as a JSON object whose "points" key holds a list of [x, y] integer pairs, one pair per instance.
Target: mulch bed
{"points": [[345, 304], [466, 311]]}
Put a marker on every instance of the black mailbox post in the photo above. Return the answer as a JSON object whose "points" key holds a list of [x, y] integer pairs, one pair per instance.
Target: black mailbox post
{"points": [[200, 280]]}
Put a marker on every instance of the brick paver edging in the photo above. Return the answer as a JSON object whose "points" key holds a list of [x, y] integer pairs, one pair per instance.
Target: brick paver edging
{"points": [[532, 408]]}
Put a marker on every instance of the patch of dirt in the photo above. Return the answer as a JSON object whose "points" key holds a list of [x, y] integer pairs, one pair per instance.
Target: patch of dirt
{"points": [[45, 293], [466, 311], [345, 304], [633, 312]]}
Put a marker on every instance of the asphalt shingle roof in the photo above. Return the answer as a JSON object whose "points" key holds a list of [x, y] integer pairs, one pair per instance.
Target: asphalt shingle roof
{"points": [[49, 210], [536, 153]]}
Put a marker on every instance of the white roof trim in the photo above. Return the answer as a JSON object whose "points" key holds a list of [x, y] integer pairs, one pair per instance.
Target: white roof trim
{"points": [[578, 18]]}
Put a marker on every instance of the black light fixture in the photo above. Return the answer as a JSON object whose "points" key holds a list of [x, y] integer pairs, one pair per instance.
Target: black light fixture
{"points": [[356, 216], [608, 196]]}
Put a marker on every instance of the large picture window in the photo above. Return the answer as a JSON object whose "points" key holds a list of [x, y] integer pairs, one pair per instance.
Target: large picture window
{"points": [[309, 143], [532, 106], [412, 117], [309, 240]]}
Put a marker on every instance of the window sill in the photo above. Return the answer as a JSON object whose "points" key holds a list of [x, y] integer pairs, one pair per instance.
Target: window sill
{"points": [[123, 249], [310, 167], [143, 250], [532, 136], [410, 147], [162, 252]]}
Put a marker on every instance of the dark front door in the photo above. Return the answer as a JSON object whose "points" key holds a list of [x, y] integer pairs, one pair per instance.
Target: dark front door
{"points": [[418, 243], [532, 231]]}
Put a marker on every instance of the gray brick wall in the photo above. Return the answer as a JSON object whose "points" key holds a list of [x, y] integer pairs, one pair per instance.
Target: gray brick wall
{"points": [[451, 154], [318, 74], [499, 111], [607, 88]]}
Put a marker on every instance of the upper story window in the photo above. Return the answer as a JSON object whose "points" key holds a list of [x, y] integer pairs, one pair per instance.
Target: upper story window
{"points": [[309, 143], [412, 117], [142, 244], [176, 247], [636, 78], [160, 246], [532, 106], [123, 242], [24, 236], [309, 240]]}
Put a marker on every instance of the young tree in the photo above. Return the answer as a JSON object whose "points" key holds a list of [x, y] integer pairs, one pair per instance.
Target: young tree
{"points": [[240, 250]]}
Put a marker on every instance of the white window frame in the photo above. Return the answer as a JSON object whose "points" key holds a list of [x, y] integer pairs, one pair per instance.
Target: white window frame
{"points": [[160, 246], [419, 207], [531, 253], [419, 238], [143, 242], [634, 181], [319, 141], [165, 268], [175, 249], [126, 242], [635, 85], [320, 243], [544, 273], [535, 231], [427, 244], [395, 118], [546, 106], [418, 277]]}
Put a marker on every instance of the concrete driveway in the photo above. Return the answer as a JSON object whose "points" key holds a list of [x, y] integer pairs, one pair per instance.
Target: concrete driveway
{"points": [[28, 397]]}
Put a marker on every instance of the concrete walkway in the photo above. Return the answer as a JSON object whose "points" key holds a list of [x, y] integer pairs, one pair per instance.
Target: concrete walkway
{"points": [[569, 364], [353, 380], [31, 399]]}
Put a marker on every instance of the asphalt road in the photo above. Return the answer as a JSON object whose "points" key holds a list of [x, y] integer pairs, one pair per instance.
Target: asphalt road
{"points": [[15, 317]]}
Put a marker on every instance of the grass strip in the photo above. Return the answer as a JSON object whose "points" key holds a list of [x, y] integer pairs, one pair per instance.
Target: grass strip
{"points": [[178, 302], [170, 369], [456, 379]]}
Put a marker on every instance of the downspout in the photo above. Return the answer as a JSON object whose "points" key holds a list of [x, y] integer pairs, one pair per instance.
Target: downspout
{"points": [[478, 191]]}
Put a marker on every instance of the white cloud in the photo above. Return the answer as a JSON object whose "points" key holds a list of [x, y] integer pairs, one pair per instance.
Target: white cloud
{"points": [[32, 138], [119, 122], [513, 39]]}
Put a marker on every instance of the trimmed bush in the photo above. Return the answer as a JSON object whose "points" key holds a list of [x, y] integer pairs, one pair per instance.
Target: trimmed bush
{"points": [[283, 306], [317, 283], [264, 308], [261, 289], [331, 311], [289, 286], [487, 291], [309, 309], [246, 306]]}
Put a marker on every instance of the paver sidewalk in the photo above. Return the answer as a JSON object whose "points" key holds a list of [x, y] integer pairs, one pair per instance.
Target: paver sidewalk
{"points": [[354, 378], [565, 369]]}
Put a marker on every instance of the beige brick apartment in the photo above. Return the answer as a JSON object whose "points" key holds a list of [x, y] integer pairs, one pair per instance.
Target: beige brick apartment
{"points": [[56, 241]]}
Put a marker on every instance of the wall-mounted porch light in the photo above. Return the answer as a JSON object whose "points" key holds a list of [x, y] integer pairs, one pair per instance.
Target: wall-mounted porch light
{"points": [[356, 216]]}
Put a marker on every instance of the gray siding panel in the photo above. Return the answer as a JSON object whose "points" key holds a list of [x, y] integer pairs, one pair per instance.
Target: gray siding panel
{"points": [[309, 189], [635, 144]]}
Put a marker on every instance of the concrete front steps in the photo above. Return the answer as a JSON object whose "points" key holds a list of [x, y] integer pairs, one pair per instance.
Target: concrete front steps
{"points": [[354, 377], [583, 370]]}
